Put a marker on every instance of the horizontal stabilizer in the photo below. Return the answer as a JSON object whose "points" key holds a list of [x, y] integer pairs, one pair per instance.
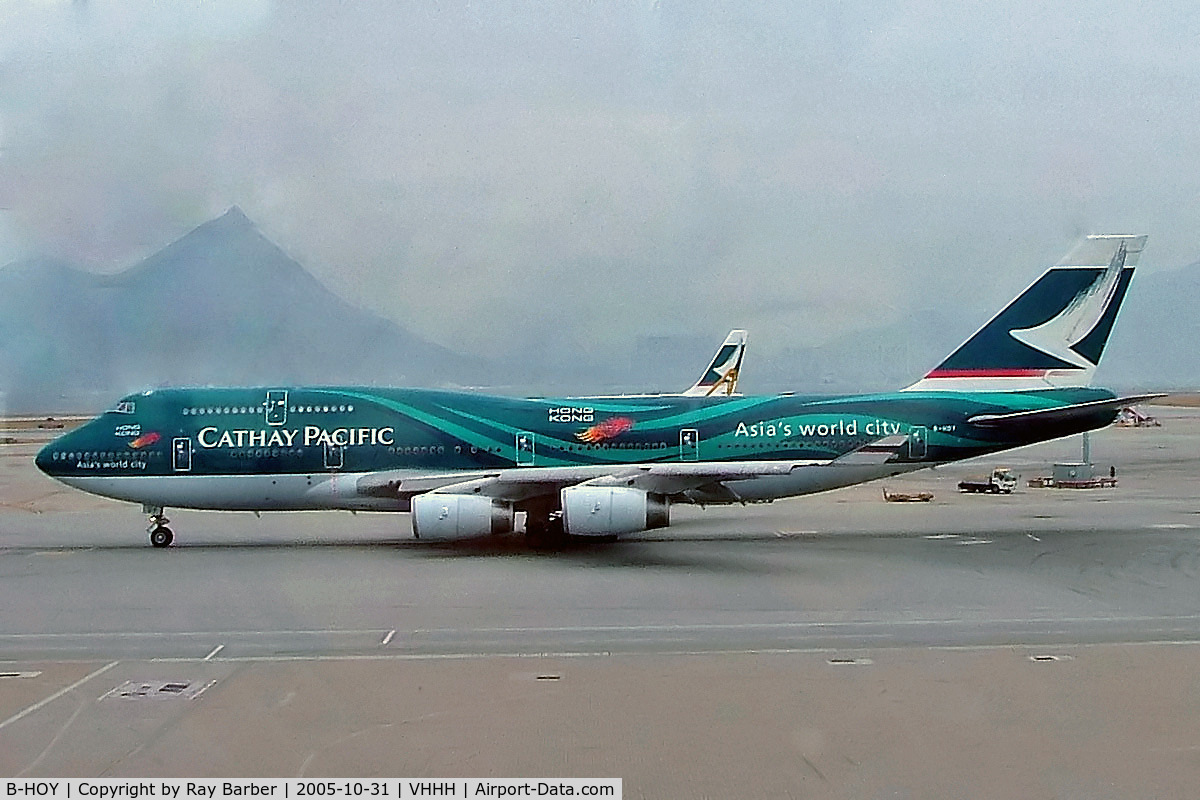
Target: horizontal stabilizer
{"points": [[1059, 414]]}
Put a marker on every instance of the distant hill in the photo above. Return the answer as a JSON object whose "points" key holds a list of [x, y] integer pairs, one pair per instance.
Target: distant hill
{"points": [[222, 305]]}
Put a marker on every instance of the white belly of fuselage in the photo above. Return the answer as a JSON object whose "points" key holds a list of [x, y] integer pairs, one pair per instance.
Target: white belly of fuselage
{"points": [[239, 492], [338, 491]]}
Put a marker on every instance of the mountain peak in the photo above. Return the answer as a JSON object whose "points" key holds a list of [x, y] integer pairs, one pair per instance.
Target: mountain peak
{"points": [[231, 219]]}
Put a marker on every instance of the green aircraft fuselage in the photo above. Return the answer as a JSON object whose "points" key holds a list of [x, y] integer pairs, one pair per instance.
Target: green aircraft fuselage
{"points": [[260, 431]]}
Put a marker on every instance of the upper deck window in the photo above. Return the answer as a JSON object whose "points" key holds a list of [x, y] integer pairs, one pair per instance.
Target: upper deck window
{"points": [[124, 407]]}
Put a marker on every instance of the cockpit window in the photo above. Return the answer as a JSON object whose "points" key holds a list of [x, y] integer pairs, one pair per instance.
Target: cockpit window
{"points": [[124, 407]]}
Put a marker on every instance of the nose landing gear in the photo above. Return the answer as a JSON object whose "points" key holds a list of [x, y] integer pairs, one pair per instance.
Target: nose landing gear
{"points": [[160, 534]]}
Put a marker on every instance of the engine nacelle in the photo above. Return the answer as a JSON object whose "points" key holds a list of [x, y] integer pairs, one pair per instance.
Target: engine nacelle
{"points": [[459, 516], [612, 510]]}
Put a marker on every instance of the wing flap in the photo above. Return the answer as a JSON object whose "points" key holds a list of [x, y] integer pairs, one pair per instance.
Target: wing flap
{"points": [[680, 477], [879, 451]]}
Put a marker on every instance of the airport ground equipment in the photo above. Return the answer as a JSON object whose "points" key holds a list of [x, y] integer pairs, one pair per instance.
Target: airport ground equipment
{"points": [[1130, 417], [1001, 481], [1075, 476], [907, 497]]}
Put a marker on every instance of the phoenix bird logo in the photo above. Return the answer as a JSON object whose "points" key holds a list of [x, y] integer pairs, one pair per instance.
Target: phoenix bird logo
{"points": [[1059, 335], [607, 429], [145, 440]]}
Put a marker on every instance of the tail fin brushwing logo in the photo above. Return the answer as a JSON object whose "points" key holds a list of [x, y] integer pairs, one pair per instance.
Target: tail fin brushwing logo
{"points": [[720, 366], [722, 374], [1055, 332], [1059, 335]]}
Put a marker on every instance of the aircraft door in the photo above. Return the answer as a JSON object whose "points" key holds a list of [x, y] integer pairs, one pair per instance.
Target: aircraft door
{"points": [[334, 455], [526, 444], [181, 454], [276, 406], [689, 444], [917, 436]]}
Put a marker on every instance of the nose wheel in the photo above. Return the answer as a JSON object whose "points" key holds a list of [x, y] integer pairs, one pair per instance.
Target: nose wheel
{"points": [[160, 534]]}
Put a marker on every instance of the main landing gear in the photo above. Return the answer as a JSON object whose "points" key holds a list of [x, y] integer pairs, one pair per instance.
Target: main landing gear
{"points": [[160, 534], [544, 527]]}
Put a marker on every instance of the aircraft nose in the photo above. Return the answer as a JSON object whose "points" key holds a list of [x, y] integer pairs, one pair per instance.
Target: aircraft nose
{"points": [[45, 458]]}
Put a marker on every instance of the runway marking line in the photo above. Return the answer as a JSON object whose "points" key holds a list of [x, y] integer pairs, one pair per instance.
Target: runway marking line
{"points": [[805, 624], [760, 651], [209, 634], [42, 703], [668, 628], [57, 737]]}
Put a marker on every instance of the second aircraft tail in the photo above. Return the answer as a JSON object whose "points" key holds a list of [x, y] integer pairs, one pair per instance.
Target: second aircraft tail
{"points": [[722, 374]]}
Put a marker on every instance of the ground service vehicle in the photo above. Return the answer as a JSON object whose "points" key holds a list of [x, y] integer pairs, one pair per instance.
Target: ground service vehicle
{"points": [[1001, 481]]}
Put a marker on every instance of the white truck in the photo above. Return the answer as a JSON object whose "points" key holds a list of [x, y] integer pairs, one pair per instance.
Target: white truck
{"points": [[1001, 481]]}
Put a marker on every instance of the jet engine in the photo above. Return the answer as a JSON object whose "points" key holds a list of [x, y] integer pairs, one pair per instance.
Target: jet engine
{"points": [[458, 516], [612, 510]]}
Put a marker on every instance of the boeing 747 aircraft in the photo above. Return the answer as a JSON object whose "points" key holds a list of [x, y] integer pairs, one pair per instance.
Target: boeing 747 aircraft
{"points": [[465, 464]]}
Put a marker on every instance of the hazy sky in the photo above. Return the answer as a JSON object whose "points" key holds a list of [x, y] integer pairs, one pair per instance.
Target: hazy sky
{"points": [[571, 175]]}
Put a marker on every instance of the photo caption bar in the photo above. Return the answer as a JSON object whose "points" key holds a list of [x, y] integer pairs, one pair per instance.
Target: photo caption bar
{"points": [[289, 788]]}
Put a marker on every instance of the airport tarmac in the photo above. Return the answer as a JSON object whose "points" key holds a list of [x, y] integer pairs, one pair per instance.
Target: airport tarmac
{"points": [[1045, 643]]}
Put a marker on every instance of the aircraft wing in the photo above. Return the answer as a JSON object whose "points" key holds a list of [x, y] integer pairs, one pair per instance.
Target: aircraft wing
{"points": [[878, 451], [1058, 414], [516, 485], [680, 477], [404, 484]]}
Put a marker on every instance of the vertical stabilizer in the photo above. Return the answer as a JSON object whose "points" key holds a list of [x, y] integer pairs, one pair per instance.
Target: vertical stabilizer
{"points": [[1054, 333], [722, 374]]}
